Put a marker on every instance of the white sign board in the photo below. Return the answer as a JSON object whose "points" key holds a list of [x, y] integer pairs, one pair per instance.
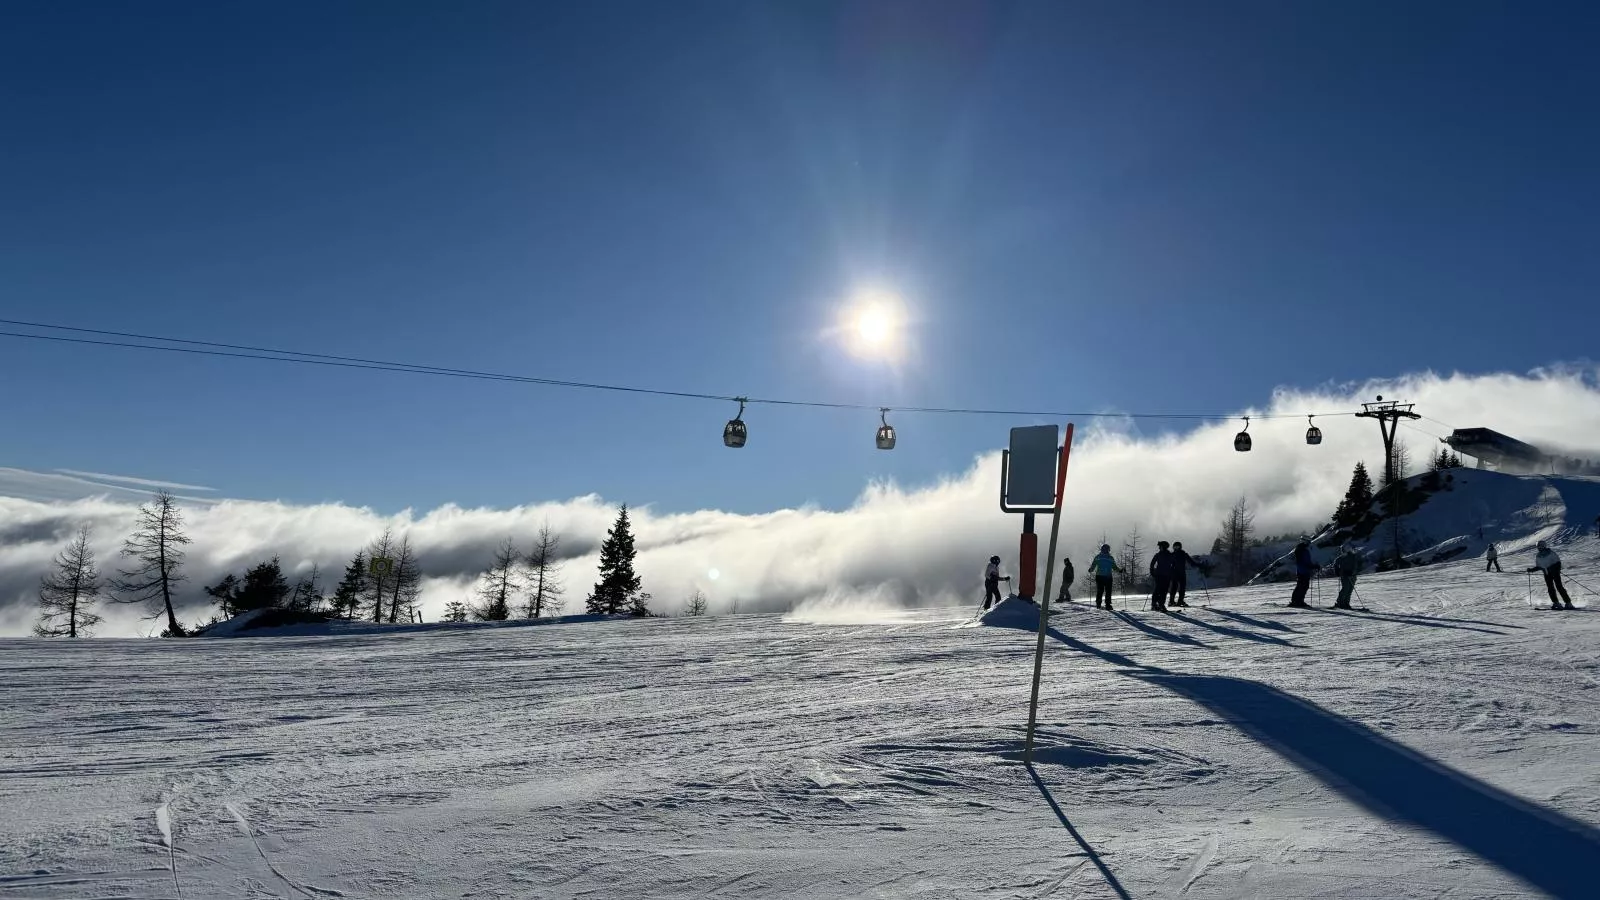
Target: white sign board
{"points": [[1031, 477]]}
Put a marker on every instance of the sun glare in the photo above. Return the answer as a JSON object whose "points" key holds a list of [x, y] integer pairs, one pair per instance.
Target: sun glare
{"points": [[873, 326]]}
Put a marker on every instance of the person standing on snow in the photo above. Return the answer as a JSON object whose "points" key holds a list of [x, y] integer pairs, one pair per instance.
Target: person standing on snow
{"points": [[1304, 568], [1179, 587], [1102, 566], [991, 581], [1548, 562], [1347, 565], [1161, 575], [1494, 560], [1066, 580]]}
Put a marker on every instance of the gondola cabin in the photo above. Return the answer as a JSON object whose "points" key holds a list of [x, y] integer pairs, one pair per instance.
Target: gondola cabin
{"points": [[734, 433], [885, 437], [1241, 442], [1313, 435]]}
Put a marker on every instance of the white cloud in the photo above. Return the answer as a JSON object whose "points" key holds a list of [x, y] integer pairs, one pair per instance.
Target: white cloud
{"points": [[136, 482], [894, 547]]}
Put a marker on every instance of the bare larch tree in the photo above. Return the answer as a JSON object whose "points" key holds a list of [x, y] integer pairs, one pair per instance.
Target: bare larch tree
{"points": [[541, 572], [68, 594], [499, 585], [156, 551]]}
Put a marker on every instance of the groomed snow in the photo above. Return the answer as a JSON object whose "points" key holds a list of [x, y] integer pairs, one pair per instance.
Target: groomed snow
{"points": [[1443, 745]]}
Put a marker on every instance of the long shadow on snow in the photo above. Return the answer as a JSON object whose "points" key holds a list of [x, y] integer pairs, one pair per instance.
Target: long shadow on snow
{"points": [[1543, 847], [1248, 620], [1235, 632], [1067, 824], [1162, 634], [1399, 619]]}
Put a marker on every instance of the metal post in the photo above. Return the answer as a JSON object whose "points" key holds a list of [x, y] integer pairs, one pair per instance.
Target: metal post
{"points": [[1044, 605], [1028, 559]]}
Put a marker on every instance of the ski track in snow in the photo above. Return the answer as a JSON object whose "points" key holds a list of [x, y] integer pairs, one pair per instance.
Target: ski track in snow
{"points": [[746, 756]]}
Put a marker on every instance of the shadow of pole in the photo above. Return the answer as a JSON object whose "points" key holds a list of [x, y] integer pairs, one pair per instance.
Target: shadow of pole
{"points": [[1544, 848], [1066, 823], [1408, 620]]}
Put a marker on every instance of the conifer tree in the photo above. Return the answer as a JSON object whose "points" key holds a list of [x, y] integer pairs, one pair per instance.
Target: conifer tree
{"points": [[307, 593], [499, 586], [67, 595], [696, 605], [352, 587], [263, 587], [1237, 529], [542, 575], [618, 587], [1132, 562], [407, 588], [1357, 498], [380, 572], [455, 611], [156, 551]]}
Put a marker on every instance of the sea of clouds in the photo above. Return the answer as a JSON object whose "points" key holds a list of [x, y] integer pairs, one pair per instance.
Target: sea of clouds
{"points": [[895, 547]]}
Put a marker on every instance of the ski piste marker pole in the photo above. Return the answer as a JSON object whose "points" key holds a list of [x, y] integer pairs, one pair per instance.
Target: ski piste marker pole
{"points": [[1044, 607]]}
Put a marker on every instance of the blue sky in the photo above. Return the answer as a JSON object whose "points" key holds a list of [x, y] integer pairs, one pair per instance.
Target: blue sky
{"points": [[1151, 207]]}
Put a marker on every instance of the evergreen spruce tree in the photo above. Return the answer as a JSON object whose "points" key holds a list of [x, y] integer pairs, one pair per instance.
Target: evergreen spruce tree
{"points": [[156, 550], [618, 587], [499, 586], [263, 587], [347, 596], [1357, 499], [455, 611], [67, 595]]}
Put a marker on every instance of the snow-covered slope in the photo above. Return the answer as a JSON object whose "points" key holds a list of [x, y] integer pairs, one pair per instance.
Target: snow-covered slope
{"points": [[1469, 510], [1442, 745]]}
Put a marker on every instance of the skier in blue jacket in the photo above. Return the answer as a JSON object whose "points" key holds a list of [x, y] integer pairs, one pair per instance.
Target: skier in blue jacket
{"points": [[1102, 566]]}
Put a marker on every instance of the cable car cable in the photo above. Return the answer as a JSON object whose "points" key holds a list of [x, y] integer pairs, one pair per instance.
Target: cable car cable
{"points": [[271, 354]]}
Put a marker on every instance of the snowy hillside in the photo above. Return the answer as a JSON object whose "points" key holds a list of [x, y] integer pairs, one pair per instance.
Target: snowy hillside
{"points": [[1461, 516], [1443, 744]]}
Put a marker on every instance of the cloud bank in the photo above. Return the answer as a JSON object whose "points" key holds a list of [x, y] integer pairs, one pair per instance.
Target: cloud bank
{"points": [[894, 547]]}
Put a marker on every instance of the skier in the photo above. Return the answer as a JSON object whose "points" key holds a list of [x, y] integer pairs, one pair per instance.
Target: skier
{"points": [[1067, 574], [1181, 561], [1548, 562], [1161, 575], [1102, 566], [1494, 560], [991, 581], [1347, 565], [1304, 568]]}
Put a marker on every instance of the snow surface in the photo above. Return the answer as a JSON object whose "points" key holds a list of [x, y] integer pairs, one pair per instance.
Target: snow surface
{"points": [[1443, 745]]}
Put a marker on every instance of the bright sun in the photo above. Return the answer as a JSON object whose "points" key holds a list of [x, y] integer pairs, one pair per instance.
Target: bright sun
{"points": [[873, 326]]}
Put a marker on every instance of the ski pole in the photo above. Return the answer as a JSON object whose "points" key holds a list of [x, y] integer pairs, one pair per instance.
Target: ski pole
{"points": [[1207, 589]]}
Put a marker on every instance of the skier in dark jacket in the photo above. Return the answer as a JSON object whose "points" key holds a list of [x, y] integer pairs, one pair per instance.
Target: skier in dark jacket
{"points": [[1550, 564], [1181, 561], [1067, 574], [1161, 575], [1347, 565], [1102, 566], [1304, 568]]}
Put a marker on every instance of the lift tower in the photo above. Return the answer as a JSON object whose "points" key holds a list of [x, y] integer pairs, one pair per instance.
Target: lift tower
{"points": [[1388, 413]]}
